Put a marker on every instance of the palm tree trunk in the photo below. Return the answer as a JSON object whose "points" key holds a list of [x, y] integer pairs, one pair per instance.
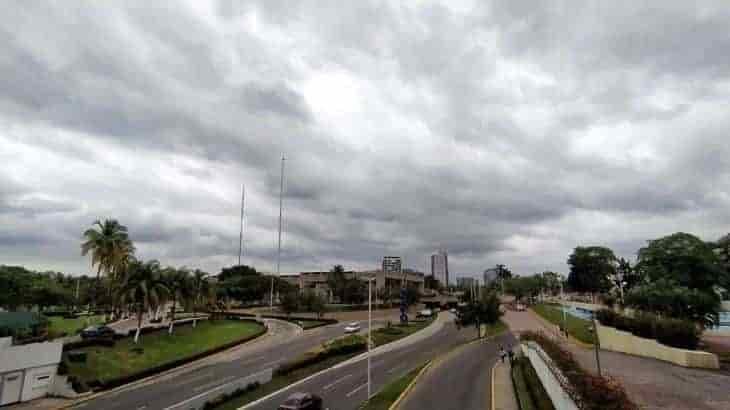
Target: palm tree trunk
{"points": [[139, 325], [172, 314]]}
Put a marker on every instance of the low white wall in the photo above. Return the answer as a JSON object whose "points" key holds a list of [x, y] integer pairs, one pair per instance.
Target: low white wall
{"points": [[725, 306], [62, 388], [38, 382], [197, 402], [548, 374], [625, 342]]}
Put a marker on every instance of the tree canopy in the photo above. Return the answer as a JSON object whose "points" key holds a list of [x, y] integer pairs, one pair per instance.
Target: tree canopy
{"points": [[591, 268]]}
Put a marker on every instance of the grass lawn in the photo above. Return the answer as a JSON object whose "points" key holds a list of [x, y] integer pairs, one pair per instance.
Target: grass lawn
{"points": [[493, 329], [390, 393], [58, 325], [577, 327], [397, 331], [104, 363]]}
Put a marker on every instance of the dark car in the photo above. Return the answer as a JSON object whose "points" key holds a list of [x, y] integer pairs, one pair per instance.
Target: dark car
{"points": [[97, 332], [302, 401]]}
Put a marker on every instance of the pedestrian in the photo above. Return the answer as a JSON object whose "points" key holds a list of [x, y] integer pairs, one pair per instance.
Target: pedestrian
{"points": [[511, 354], [502, 353]]}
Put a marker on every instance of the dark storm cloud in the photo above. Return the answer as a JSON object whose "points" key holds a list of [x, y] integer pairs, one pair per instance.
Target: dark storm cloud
{"points": [[505, 132]]}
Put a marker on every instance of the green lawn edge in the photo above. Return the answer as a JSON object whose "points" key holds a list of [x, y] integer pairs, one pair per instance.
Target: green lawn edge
{"points": [[390, 393], [577, 327]]}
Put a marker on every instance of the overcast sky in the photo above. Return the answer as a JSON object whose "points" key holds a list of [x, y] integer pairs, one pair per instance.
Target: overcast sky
{"points": [[504, 131]]}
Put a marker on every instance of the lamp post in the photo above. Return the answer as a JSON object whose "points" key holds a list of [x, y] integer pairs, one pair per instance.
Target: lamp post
{"points": [[370, 325], [562, 307]]}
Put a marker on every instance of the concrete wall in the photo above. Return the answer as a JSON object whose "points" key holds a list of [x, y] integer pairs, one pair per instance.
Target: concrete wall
{"points": [[38, 382], [625, 342], [548, 374]]}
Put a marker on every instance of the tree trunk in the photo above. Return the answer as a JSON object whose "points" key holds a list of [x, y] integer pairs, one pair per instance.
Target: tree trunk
{"points": [[139, 325], [172, 315]]}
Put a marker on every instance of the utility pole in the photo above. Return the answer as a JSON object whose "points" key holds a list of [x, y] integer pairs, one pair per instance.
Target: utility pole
{"points": [[278, 254], [596, 343], [240, 236], [370, 326]]}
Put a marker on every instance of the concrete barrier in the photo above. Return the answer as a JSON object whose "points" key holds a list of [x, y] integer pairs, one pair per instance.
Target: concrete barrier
{"points": [[550, 376], [625, 342]]}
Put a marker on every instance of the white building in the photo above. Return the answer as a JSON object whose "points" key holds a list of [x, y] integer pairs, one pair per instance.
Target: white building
{"points": [[440, 267], [27, 372]]}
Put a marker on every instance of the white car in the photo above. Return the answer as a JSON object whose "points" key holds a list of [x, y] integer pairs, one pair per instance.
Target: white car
{"points": [[353, 327], [425, 313]]}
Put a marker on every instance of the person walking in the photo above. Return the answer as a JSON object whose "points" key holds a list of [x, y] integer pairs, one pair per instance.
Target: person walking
{"points": [[502, 353]]}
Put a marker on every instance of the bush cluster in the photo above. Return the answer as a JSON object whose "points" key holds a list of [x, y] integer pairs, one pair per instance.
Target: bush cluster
{"points": [[668, 331], [223, 398], [593, 392], [530, 383], [338, 347]]}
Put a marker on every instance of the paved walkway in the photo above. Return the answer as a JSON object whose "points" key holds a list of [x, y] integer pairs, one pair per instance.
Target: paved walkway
{"points": [[652, 384], [504, 391]]}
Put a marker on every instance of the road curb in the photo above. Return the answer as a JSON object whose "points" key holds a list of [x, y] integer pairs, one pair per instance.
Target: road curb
{"points": [[410, 386], [494, 366], [154, 377]]}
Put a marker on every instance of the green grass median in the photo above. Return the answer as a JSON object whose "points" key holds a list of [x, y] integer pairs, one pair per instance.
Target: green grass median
{"points": [[59, 326], [157, 348], [577, 327], [393, 332], [390, 393]]}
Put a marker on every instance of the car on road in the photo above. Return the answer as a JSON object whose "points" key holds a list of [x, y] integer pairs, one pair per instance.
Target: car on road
{"points": [[520, 307], [452, 310], [97, 331], [424, 313], [353, 327], [302, 401]]}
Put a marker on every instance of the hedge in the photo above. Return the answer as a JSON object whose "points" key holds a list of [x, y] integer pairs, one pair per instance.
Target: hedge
{"points": [[338, 347], [534, 387], [678, 333], [590, 392]]}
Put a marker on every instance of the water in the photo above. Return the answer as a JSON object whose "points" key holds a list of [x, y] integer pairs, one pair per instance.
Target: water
{"points": [[724, 322], [579, 312]]}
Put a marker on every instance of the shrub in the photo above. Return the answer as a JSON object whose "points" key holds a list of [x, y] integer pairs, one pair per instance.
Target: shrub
{"points": [[677, 333], [78, 356], [218, 401], [593, 392], [534, 386], [338, 347]]}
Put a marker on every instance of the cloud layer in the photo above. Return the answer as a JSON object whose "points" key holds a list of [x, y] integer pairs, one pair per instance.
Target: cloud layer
{"points": [[505, 132]]}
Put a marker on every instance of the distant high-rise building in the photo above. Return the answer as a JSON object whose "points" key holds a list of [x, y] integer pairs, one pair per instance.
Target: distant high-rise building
{"points": [[466, 283], [392, 264], [490, 275], [440, 267]]}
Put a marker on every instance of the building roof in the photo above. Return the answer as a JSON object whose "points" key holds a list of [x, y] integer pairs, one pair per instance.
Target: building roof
{"points": [[31, 355]]}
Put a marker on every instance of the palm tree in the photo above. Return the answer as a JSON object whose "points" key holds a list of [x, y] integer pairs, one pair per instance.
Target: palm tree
{"points": [[143, 289], [110, 248], [179, 285], [201, 289]]}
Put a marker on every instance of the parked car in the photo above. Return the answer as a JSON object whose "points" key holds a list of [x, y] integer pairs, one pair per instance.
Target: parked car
{"points": [[353, 327], [97, 331], [424, 313], [302, 401]]}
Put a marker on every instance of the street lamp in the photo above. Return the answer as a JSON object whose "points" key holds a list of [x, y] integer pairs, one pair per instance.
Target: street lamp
{"points": [[370, 325]]}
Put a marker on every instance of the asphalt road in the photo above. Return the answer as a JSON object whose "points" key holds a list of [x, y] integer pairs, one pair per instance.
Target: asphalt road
{"points": [[264, 353], [462, 380], [345, 388]]}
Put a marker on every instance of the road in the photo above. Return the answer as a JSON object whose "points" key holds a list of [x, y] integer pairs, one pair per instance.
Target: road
{"points": [[464, 373], [345, 388], [281, 343]]}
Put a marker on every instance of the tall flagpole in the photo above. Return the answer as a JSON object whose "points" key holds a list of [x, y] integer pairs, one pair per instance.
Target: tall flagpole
{"points": [[240, 237], [278, 254]]}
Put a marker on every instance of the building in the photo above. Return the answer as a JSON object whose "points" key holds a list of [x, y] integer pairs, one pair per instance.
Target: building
{"points": [[317, 281], [392, 264], [27, 372], [466, 282], [490, 275], [440, 267]]}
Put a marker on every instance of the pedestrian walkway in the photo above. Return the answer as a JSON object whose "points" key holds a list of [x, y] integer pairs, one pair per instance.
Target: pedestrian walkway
{"points": [[504, 392], [650, 383]]}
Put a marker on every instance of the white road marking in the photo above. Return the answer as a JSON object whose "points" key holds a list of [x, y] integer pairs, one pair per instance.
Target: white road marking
{"points": [[255, 359], [203, 394], [331, 385], [357, 389], [270, 363], [213, 383], [395, 368]]}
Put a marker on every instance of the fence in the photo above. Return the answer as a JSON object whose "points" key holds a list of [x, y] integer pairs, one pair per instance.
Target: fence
{"points": [[555, 383]]}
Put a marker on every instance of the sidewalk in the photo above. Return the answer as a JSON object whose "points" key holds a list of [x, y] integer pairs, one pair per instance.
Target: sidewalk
{"points": [[650, 383], [503, 392]]}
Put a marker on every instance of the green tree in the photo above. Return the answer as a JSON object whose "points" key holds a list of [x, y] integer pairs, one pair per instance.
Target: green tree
{"points": [[201, 289], [591, 268], [670, 299], [682, 258], [290, 302], [180, 289], [16, 284], [337, 281], [144, 289], [484, 310], [110, 248], [552, 282]]}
